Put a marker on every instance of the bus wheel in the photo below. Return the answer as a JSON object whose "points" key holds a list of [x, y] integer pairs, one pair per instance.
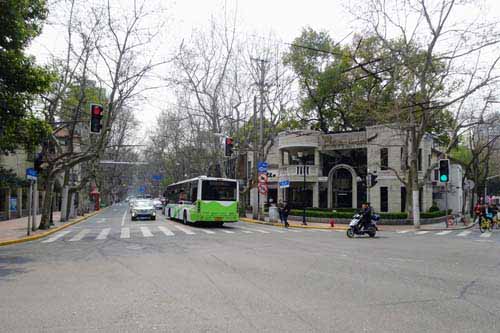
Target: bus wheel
{"points": [[185, 218]]}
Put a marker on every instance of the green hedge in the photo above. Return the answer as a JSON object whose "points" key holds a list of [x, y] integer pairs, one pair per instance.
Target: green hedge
{"points": [[430, 215]]}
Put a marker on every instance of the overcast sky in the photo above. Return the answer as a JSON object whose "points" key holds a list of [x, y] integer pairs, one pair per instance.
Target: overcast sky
{"points": [[285, 18]]}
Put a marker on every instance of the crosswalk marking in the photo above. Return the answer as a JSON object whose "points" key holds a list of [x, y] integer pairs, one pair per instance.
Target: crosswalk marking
{"points": [[486, 234], [103, 234], [57, 236], [421, 232], [464, 233], [165, 230], [80, 235], [258, 230], [403, 231], [227, 231], [292, 230], [146, 232], [125, 233], [185, 230], [446, 232], [206, 231]]}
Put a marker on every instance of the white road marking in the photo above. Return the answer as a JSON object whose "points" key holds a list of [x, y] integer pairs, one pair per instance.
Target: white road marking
{"points": [[206, 231], [258, 230], [293, 230], [185, 230], [57, 236], [104, 233], [226, 231], [446, 232], [421, 232], [403, 231], [486, 234], [123, 218], [125, 233], [80, 235], [464, 233], [165, 230], [146, 232]]}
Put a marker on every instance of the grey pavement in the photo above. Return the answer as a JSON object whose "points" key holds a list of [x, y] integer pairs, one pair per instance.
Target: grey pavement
{"points": [[109, 274]]}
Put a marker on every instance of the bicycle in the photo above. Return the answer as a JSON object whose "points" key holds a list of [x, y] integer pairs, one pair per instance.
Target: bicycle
{"points": [[484, 224]]}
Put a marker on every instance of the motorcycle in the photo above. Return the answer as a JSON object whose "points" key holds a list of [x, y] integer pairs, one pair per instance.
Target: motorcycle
{"points": [[355, 227]]}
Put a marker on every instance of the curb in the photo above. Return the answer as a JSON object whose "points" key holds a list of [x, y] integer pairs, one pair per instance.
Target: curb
{"points": [[247, 220], [51, 231]]}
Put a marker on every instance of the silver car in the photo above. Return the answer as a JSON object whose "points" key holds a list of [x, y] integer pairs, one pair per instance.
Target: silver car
{"points": [[143, 209]]}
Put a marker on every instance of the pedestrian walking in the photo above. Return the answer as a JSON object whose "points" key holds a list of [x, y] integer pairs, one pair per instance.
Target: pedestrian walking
{"points": [[284, 214]]}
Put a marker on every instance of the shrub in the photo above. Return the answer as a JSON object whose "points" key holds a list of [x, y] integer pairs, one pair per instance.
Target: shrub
{"points": [[433, 208], [393, 216], [430, 215]]}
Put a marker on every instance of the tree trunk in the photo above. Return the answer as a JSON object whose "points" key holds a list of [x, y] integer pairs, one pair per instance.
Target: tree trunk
{"points": [[413, 172], [47, 201]]}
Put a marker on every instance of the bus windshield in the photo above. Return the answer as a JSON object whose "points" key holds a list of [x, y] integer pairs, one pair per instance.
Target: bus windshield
{"points": [[218, 190]]}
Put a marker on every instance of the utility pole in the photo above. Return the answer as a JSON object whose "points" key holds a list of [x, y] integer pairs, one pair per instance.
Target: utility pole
{"points": [[255, 210]]}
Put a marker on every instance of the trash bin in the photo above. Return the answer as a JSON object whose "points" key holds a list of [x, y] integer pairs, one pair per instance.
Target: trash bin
{"points": [[273, 214]]}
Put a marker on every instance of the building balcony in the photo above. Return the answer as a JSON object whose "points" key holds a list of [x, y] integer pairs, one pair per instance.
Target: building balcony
{"points": [[296, 172]]}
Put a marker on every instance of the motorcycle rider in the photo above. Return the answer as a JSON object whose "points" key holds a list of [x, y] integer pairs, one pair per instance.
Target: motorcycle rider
{"points": [[366, 212]]}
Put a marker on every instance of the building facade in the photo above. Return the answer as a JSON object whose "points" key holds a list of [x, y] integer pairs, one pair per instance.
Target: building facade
{"points": [[330, 170]]}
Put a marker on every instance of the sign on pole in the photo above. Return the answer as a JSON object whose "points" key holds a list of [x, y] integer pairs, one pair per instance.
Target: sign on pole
{"points": [[262, 188], [262, 167], [156, 178], [284, 183], [31, 174], [263, 178]]}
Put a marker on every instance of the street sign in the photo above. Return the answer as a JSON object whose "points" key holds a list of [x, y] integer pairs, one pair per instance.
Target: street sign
{"points": [[263, 178], [284, 183], [31, 174], [262, 167], [142, 189], [262, 188], [156, 178]]}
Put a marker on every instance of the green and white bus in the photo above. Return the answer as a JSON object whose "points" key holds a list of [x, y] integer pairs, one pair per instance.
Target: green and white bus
{"points": [[203, 199]]}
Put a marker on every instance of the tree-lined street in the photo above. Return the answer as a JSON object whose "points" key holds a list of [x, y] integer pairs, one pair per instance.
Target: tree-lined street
{"points": [[256, 278]]}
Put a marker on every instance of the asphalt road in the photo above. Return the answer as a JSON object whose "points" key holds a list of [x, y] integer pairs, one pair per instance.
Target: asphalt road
{"points": [[110, 274]]}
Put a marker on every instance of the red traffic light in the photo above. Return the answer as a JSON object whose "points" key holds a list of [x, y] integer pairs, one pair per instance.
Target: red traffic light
{"points": [[96, 110]]}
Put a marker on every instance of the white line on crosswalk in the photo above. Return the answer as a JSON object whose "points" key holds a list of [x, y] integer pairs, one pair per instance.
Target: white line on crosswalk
{"points": [[421, 232], [403, 231], [226, 231], [104, 233], [185, 230], [206, 231], [446, 232], [123, 218], [80, 235], [125, 233], [57, 236], [486, 234], [165, 230], [464, 233], [292, 230], [255, 229], [146, 232]]}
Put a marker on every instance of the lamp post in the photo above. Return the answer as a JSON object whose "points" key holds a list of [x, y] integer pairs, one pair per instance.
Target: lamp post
{"points": [[302, 157]]}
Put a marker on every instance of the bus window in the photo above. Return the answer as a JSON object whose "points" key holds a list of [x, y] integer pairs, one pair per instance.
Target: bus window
{"points": [[218, 190], [194, 192]]}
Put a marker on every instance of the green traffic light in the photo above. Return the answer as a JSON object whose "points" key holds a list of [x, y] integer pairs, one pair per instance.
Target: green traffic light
{"points": [[444, 178]]}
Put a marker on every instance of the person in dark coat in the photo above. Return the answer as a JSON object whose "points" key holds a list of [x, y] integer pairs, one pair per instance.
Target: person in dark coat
{"points": [[284, 214]]}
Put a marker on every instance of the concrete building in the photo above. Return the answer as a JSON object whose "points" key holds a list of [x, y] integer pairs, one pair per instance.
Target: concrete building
{"points": [[336, 168]]}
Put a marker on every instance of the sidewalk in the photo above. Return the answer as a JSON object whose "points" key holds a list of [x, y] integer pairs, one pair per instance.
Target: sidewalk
{"points": [[381, 227], [15, 230]]}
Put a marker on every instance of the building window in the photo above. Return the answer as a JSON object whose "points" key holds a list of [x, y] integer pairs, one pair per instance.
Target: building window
{"points": [[403, 199], [420, 159], [384, 158], [384, 199], [436, 175]]}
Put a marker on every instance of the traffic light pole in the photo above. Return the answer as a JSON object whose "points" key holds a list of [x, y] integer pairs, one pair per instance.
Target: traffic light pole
{"points": [[446, 202]]}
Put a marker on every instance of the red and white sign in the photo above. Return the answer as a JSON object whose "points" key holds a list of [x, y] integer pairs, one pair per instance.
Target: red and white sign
{"points": [[263, 178], [262, 188]]}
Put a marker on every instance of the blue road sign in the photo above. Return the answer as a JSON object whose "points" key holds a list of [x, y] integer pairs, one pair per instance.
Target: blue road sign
{"points": [[262, 166], [284, 183], [31, 174], [156, 178], [142, 189]]}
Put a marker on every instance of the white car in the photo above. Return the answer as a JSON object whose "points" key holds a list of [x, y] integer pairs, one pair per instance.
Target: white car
{"points": [[157, 203], [143, 209]]}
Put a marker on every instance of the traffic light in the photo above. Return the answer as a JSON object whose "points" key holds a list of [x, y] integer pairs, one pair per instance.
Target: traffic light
{"points": [[373, 179], [96, 112], [444, 171], [228, 147]]}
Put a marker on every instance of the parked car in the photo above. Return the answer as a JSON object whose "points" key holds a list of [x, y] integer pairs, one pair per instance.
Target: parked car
{"points": [[143, 209]]}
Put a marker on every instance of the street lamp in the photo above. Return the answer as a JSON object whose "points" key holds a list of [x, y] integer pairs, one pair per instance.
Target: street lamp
{"points": [[302, 157]]}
